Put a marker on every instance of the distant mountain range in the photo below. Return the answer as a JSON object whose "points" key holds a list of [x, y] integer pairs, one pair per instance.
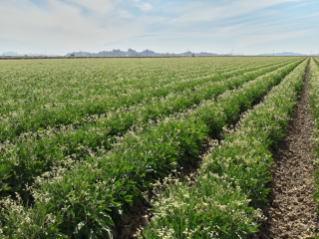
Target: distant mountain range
{"points": [[11, 53], [283, 54], [131, 52]]}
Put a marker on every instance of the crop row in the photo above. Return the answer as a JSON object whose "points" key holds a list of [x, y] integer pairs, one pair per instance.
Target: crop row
{"points": [[37, 116], [86, 197], [314, 105], [22, 87], [224, 200], [123, 71], [35, 153], [149, 97]]}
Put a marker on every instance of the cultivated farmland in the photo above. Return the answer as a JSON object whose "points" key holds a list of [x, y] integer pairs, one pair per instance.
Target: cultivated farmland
{"points": [[146, 148]]}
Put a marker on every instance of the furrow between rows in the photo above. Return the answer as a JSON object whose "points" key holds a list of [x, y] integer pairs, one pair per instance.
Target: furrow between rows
{"points": [[224, 199], [89, 196], [37, 153], [35, 117]]}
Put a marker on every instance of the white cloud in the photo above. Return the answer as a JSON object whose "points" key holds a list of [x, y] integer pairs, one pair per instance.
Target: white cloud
{"points": [[94, 25], [63, 26], [145, 6], [98, 6], [265, 38], [202, 11]]}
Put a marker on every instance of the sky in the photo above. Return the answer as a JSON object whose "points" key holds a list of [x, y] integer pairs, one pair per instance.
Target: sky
{"points": [[215, 26]]}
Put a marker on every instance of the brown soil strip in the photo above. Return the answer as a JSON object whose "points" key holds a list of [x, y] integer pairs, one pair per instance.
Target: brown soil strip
{"points": [[291, 212], [137, 219]]}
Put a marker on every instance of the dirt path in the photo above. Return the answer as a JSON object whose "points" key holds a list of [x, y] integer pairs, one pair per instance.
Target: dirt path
{"points": [[292, 213], [292, 173]]}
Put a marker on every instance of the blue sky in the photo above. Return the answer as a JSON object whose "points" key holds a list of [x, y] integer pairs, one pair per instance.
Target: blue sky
{"points": [[247, 26]]}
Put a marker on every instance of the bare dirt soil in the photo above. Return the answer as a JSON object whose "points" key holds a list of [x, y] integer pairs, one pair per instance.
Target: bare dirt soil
{"points": [[137, 220], [290, 209], [291, 212]]}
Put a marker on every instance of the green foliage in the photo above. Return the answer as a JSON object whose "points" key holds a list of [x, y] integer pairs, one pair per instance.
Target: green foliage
{"points": [[89, 187], [224, 201], [314, 105], [35, 154], [71, 92]]}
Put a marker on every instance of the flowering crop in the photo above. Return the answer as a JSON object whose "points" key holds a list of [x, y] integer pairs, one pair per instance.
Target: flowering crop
{"points": [[223, 202], [34, 153], [85, 188], [62, 94], [314, 105]]}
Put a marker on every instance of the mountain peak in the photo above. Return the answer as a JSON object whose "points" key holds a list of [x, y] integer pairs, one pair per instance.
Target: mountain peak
{"points": [[131, 52]]}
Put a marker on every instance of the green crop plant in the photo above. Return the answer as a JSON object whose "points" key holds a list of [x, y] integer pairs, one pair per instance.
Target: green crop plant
{"points": [[224, 200], [85, 138]]}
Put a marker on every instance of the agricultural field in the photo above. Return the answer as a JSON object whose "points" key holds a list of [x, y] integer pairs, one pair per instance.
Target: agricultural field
{"points": [[157, 148]]}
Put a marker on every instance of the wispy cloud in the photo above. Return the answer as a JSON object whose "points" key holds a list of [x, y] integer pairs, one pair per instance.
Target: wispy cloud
{"points": [[97, 6], [146, 6], [266, 38], [69, 25], [63, 25], [200, 11]]}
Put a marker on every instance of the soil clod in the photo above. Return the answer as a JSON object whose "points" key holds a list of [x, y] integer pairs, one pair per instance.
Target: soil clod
{"points": [[292, 213]]}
